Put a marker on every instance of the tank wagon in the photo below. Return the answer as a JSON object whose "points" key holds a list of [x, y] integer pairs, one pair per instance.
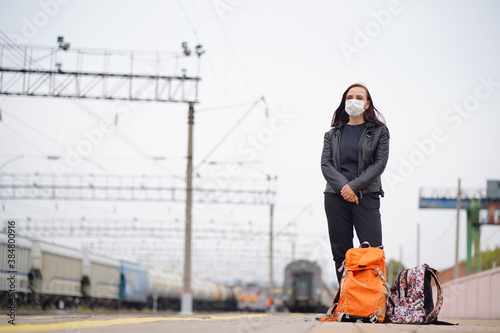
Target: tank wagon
{"points": [[165, 289]]}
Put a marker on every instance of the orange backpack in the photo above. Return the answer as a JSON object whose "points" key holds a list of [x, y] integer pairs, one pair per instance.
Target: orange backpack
{"points": [[363, 290]]}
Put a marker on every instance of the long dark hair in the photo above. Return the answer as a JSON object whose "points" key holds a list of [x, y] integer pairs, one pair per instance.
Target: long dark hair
{"points": [[371, 114]]}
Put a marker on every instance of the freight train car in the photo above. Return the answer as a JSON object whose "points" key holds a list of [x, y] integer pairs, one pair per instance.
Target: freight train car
{"points": [[56, 275], [304, 290], [101, 281]]}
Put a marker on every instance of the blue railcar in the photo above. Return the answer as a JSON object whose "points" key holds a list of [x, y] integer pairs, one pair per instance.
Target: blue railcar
{"points": [[134, 284]]}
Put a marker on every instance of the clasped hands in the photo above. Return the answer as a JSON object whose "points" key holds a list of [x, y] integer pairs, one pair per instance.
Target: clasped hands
{"points": [[348, 194]]}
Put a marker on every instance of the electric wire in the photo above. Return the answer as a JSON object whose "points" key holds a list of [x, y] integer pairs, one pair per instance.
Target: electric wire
{"points": [[217, 108], [236, 59], [219, 143], [34, 129], [440, 237], [207, 57], [492, 234], [26, 140]]}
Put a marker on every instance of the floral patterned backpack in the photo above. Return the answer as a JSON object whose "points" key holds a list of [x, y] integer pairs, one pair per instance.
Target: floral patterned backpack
{"points": [[411, 300]]}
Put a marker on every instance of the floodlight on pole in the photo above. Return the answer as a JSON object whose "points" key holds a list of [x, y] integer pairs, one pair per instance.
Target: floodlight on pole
{"points": [[185, 49], [62, 45], [199, 50]]}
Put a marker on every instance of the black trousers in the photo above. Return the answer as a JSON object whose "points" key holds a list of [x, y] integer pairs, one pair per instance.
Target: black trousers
{"points": [[344, 217]]}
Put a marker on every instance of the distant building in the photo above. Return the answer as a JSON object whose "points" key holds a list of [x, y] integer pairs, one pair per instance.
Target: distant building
{"points": [[449, 274]]}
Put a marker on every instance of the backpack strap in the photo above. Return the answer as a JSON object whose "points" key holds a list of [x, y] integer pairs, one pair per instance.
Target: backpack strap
{"points": [[432, 316], [336, 299], [439, 322], [384, 282], [346, 317], [332, 308]]}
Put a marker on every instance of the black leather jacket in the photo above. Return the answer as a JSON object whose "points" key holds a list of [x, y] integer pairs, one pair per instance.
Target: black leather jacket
{"points": [[373, 155]]}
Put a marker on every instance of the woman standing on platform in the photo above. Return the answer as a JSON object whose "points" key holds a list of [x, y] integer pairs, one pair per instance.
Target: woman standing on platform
{"points": [[355, 153]]}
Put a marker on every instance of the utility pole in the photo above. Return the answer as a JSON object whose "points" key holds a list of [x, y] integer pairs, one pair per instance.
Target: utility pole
{"points": [[187, 296], [271, 284], [457, 234]]}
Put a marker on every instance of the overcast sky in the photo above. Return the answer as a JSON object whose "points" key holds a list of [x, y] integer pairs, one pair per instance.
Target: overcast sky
{"points": [[431, 66]]}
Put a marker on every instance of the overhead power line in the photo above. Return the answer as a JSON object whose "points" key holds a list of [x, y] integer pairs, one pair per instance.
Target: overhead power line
{"points": [[219, 143]]}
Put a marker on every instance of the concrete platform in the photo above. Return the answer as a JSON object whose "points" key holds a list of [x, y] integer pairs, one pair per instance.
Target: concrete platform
{"points": [[219, 323]]}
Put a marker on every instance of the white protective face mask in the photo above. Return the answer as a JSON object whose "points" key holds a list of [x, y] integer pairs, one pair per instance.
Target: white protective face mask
{"points": [[354, 107]]}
